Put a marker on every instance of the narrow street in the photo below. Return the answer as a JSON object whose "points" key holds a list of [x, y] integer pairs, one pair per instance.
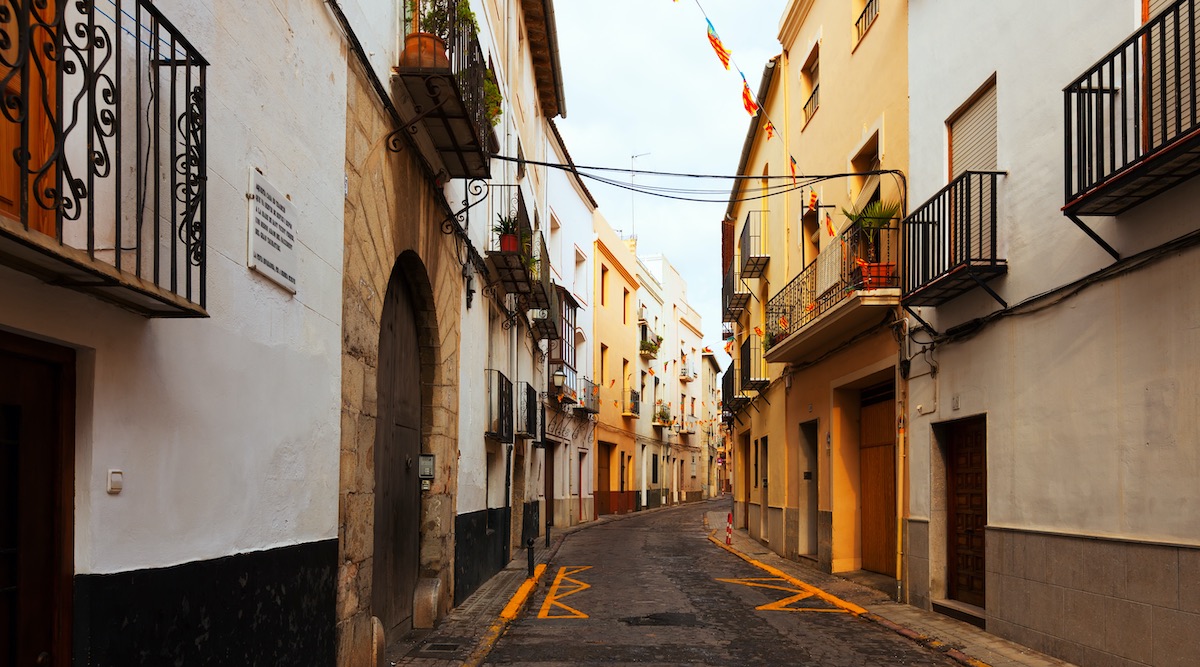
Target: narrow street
{"points": [[652, 589]]}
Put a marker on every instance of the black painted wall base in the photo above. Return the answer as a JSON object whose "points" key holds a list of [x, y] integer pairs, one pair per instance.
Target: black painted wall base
{"points": [[273, 607], [480, 549]]}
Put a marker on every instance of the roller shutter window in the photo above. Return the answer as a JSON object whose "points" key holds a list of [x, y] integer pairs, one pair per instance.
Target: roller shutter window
{"points": [[973, 148]]}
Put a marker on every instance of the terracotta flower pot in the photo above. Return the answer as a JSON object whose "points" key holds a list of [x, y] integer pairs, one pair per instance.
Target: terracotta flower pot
{"points": [[877, 275], [425, 50], [508, 243]]}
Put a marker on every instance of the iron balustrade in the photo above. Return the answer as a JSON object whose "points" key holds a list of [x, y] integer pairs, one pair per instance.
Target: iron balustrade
{"points": [[1136, 105], [662, 416], [539, 273], [865, 19], [951, 238], [103, 142], [753, 245], [547, 321], [754, 366], [500, 406], [589, 397], [443, 48], [528, 408], [814, 101], [631, 403], [734, 294], [860, 258], [687, 370]]}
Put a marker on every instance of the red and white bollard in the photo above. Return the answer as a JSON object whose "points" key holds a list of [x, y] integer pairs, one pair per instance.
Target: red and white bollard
{"points": [[729, 530]]}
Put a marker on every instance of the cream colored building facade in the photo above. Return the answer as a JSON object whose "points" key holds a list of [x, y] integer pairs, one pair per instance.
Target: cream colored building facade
{"points": [[812, 394]]}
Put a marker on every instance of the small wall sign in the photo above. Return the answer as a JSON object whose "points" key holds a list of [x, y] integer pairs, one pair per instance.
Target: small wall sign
{"points": [[272, 233]]}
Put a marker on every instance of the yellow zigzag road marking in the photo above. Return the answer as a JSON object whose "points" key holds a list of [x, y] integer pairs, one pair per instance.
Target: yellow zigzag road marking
{"points": [[773, 583], [557, 592]]}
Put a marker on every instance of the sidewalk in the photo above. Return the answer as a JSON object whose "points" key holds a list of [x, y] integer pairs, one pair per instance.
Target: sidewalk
{"points": [[470, 631]]}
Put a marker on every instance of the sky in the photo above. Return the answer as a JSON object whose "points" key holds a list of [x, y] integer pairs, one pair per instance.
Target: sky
{"points": [[641, 78]]}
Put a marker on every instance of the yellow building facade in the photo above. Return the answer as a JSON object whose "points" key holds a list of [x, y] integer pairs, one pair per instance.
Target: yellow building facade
{"points": [[811, 287], [616, 356]]}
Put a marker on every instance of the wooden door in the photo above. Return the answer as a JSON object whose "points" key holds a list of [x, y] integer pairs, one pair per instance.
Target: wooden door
{"points": [[603, 481], [36, 497], [877, 479], [41, 174], [967, 517], [549, 490], [397, 448]]}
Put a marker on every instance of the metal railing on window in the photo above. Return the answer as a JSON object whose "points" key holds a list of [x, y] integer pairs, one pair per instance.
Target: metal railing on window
{"points": [[865, 19], [631, 403], [103, 145], [528, 409], [1137, 102], [500, 406], [951, 236], [859, 258], [753, 245], [589, 397], [734, 294], [814, 101]]}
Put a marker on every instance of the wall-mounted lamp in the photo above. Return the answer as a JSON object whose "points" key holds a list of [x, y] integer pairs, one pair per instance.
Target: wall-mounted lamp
{"points": [[560, 378]]}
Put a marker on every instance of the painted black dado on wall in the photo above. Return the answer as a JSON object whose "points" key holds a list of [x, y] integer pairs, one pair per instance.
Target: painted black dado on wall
{"points": [[480, 549], [263, 608]]}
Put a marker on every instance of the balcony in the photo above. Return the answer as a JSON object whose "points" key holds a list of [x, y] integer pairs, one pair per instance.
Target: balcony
{"points": [[641, 315], [734, 294], [649, 344], [754, 368], [510, 251], [565, 383], [443, 70], [1133, 119], [528, 409], [754, 245], [951, 241], [866, 19], [542, 289], [687, 370], [847, 289], [731, 390], [662, 417], [589, 397], [103, 154], [631, 403], [499, 407], [547, 321]]}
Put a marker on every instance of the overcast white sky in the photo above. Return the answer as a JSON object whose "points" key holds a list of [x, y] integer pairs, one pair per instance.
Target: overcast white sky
{"points": [[640, 77]]}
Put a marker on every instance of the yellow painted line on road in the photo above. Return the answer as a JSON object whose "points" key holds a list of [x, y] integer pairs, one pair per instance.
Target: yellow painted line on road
{"points": [[558, 591], [836, 601], [797, 594], [507, 616]]}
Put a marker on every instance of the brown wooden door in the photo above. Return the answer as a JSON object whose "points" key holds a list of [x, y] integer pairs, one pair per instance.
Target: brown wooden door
{"points": [[967, 502], [397, 449], [36, 492], [877, 477], [549, 484], [603, 485]]}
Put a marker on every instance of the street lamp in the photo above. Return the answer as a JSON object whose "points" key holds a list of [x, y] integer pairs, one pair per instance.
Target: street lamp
{"points": [[560, 378]]}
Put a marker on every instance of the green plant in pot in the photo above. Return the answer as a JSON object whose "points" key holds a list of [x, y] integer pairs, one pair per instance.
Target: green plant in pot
{"points": [[434, 22], [506, 229], [493, 101], [871, 220]]}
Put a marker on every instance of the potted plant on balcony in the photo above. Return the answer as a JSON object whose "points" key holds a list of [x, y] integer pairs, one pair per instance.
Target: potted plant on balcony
{"points": [[493, 101], [506, 229], [871, 220], [662, 415], [434, 21]]}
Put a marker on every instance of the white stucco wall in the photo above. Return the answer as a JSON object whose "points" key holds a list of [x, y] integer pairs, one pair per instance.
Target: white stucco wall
{"points": [[1091, 405], [226, 428]]}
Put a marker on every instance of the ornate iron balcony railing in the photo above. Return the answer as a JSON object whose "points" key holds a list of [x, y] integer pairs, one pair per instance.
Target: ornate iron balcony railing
{"points": [[858, 259], [1132, 120], [753, 245], [103, 166], [950, 241], [528, 408], [500, 406]]}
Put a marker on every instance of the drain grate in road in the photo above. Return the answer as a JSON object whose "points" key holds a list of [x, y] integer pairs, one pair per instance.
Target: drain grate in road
{"points": [[664, 618]]}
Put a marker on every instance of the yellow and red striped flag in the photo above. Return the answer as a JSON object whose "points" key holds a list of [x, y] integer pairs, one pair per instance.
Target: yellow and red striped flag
{"points": [[792, 166], [783, 322], [812, 200], [722, 52], [769, 128], [829, 224], [748, 99], [758, 332], [729, 347]]}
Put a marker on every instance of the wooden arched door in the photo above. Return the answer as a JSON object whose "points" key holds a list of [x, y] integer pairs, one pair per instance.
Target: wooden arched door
{"points": [[397, 448]]}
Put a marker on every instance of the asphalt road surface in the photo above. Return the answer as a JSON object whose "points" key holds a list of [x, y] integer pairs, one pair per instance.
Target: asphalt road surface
{"points": [[653, 590]]}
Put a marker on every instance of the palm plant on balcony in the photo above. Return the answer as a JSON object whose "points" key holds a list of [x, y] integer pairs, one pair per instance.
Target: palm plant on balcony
{"points": [[506, 228], [870, 221], [434, 23]]}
